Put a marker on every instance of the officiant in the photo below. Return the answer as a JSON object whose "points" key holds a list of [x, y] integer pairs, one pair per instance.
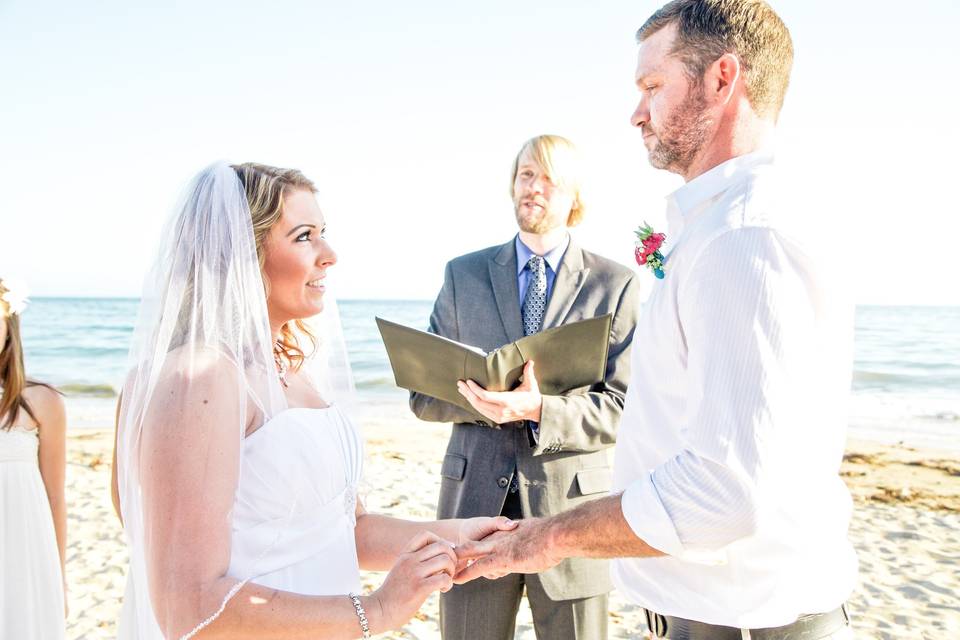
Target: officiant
{"points": [[533, 455]]}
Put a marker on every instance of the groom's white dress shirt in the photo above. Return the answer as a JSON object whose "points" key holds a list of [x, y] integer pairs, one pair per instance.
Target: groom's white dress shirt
{"points": [[733, 431]]}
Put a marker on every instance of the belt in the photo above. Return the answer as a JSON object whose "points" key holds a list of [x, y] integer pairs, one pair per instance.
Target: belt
{"points": [[807, 627]]}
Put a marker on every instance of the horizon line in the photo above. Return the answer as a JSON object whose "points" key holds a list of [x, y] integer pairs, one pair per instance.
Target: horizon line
{"points": [[944, 305]]}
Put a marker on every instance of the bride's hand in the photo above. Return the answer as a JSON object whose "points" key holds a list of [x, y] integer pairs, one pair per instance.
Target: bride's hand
{"points": [[476, 529], [427, 564]]}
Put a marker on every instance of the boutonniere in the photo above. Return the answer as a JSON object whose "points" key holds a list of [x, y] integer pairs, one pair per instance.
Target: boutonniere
{"points": [[647, 252]]}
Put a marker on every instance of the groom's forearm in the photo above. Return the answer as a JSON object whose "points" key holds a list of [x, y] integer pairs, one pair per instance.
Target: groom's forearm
{"points": [[596, 529]]}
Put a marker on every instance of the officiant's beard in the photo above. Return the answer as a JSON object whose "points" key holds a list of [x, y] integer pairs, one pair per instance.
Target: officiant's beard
{"points": [[683, 135], [546, 222]]}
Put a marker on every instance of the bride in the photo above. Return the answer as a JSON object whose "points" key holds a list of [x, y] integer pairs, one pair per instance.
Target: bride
{"points": [[236, 471]]}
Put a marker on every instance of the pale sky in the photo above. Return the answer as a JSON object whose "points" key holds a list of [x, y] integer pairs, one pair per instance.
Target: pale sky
{"points": [[407, 115]]}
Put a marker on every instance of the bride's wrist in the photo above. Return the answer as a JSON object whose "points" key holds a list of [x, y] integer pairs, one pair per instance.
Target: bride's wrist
{"points": [[375, 615], [462, 524]]}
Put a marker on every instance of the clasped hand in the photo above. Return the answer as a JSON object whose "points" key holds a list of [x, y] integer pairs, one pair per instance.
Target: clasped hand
{"points": [[523, 403], [486, 547], [493, 547], [428, 563], [524, 549]]}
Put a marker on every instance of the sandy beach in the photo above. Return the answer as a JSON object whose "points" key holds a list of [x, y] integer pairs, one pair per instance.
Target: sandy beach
{"points": [[906, 528]]}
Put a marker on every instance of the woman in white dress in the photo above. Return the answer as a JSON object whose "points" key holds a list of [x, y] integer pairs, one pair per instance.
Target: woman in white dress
{"points": [[33, 511], [236, 469]]}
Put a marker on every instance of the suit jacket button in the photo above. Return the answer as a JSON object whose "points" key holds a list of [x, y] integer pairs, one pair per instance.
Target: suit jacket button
{"points": [[502, 482]]}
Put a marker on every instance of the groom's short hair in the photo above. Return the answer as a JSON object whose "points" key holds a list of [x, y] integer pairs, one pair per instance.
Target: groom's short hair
{"points": [[560, 160], [750, 29]]}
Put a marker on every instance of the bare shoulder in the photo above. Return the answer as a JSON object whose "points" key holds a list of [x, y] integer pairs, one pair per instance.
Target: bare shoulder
{"points": [[206, 369], [48, 407], [194, 388]]}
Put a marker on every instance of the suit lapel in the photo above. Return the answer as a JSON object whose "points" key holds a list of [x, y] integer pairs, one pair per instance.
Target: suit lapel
{"points": [[503, 277], [566, 286]]}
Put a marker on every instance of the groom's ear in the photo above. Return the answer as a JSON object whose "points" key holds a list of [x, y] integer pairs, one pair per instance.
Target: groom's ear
{"points": [[723, 78]]}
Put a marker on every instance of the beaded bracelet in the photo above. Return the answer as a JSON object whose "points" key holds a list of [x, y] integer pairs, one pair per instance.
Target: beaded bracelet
{"points": [[361, 614]]}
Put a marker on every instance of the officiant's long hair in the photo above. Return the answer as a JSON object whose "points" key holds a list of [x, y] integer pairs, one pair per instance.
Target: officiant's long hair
{"points": [[560, 160]]}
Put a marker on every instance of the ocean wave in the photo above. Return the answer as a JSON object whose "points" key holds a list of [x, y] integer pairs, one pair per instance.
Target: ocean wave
{"points": [[79, 352], [944, 416], [363, 383], [906, 364], [375, 383], [932, 379], [878, 376], [89, 390]]}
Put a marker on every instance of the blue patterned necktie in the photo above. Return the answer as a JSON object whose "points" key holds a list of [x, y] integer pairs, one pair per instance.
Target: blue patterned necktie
{"points": [[534, 306], [535, 300]]}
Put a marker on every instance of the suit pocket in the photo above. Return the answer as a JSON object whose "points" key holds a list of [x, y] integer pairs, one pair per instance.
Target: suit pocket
{"points": [[453, 466], [596, 480]]}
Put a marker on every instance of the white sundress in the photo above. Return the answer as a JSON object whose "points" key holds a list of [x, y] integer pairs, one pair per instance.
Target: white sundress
{"points": [[31, 583]]}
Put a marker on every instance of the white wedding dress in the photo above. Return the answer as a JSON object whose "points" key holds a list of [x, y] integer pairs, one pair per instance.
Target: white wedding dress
{"points": [[31, 584], [294, 514]]}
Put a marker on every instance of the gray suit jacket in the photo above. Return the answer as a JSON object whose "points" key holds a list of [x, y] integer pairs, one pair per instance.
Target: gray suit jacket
{"points": [[479, 305]]}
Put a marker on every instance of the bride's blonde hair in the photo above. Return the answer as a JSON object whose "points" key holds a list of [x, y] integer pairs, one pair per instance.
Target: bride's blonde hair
{"points": [[266, 187]]}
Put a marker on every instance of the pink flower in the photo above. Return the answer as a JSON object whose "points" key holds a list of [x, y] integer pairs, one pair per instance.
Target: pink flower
{"points": [[657, 239], [647, 249]]}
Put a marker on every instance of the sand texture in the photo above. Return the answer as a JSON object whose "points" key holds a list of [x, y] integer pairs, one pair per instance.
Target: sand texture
{"points": [[906, 529]]}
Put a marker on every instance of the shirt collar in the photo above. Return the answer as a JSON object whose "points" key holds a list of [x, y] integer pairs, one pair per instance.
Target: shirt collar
{"points": [[713, 182], [552, 257]]}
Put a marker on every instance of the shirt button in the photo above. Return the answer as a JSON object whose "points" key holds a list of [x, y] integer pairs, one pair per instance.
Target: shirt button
{"points": [[503, 481]]}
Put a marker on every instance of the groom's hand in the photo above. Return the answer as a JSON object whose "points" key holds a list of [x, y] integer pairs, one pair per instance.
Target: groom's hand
{"points": [[526, 549], [476, 529], [523, 403]]}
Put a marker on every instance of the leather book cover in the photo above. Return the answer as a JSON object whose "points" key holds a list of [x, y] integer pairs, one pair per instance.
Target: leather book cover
{"points": [[567, 357]]}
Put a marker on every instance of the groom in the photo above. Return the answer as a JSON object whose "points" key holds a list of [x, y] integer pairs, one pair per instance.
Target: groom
{"points": [[729, 519], [534, 455]]}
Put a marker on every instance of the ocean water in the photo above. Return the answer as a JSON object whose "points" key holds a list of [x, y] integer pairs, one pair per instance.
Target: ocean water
{"points": [[906, 382], [81, 345], [906, 375]]}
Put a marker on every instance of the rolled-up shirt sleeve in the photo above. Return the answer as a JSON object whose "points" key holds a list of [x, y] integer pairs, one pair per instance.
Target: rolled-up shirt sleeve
{"points": [[745, 316]]}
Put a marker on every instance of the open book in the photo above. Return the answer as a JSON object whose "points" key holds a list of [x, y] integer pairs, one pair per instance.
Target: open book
{"points": [[567, 357]]}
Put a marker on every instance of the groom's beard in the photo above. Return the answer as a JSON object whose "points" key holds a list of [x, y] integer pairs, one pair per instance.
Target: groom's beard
{"points": [[683, 135]]}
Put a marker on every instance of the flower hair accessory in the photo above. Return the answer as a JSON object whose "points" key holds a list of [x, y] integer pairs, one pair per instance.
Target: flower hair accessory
{"points": [[647, 252], [15, 295]]}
